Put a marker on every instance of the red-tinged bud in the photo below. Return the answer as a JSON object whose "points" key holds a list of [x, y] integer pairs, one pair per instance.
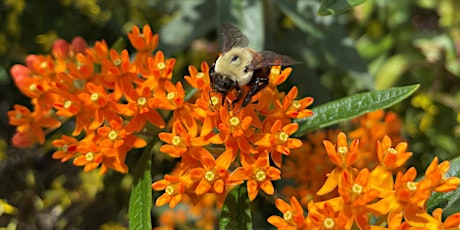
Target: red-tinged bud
{"points": [[61, 49], [20, 74], [30, 60], [79, 45], [23, 140]]}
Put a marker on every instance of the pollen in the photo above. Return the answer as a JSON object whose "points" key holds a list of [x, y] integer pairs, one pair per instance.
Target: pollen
{"points": [[282, 136], [44, 65], [328, 223], [200, 75], [161, 65], [392, 151], [89, 156], [141, 101], [117, 62], [94, 97], [412, 186], [176, 140], [171, 96], [296, 104], [170, 190], [214, 100], [234, 121], [287, 216], [18, 115], [210, 176], [67, 104], [260, 175], [275, 71], [65, 148], [357, 189], [33, 87], [342, 150], [113, 135]]}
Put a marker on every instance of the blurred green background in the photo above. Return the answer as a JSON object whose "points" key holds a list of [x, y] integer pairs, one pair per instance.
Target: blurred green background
{"points": [[379, 44]]}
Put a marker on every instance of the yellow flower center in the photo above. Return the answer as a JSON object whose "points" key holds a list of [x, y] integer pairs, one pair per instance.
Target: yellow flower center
{"points": [[282, 136], [234, 121], [113, 135], [328, 223], [392, 151], [161, 65], [200, 75], [65, 148], [141, 35], [295, 104], [260, 175], [342, 150], [171, 96], [94, 97], [176, 140], [67, 104], [43, 65], [210, 176], [412, 186], [117, 62], [170, 190], [287, 216], [33, 87], [357, 189], [214, 100], [141, 101], [89, 156], [275, 71], [18, 115]]}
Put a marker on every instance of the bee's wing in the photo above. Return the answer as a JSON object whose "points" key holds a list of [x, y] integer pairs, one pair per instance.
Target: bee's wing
{"points": [[268, 58], [232, 37]]}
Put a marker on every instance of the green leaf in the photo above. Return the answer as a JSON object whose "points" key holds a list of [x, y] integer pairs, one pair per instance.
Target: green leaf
{"points": [[450, 201], [140, 201], [331, 7], [352, 106], [236, 212]]}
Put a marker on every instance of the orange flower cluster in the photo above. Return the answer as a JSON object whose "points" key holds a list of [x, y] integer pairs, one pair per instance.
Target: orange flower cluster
{"points": [[369, 129], [108, 96], [396, 203], [220, 148]]}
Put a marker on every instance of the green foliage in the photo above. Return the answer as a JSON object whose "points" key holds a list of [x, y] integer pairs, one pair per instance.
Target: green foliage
{"points": [[236, 212], [376, 45], [352, 106]]}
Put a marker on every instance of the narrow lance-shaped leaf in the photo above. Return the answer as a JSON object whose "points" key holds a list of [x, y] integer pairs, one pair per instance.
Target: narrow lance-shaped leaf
{"points": [[331, 7], [352, 106], [236, 212], [140, 201]]}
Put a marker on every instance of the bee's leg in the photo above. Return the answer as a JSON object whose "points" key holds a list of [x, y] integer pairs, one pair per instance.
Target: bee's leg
{"points": [[259, 84]]}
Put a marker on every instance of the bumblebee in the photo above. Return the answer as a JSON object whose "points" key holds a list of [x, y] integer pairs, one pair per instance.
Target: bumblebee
{"points": [[239, 66]]}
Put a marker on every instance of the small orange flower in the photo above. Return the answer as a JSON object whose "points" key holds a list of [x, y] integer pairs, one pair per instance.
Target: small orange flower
{"points": [[174, 189], [278, 141], [27, 121], [158, 71], [323, 216], [100, 103], [292, 215], [343, 156], [258, 175], [140, 111], [213, 174], [181, 141], [199, 80], [436, 173], [290, 108], [67, 148], [390, 159]]}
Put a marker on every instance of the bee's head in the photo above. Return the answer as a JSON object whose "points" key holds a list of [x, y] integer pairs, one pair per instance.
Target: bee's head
{"points": [[234, 62]]}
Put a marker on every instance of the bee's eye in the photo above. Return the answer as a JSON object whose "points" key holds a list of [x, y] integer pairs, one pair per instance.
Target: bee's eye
{"points": [[235, 58]]}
